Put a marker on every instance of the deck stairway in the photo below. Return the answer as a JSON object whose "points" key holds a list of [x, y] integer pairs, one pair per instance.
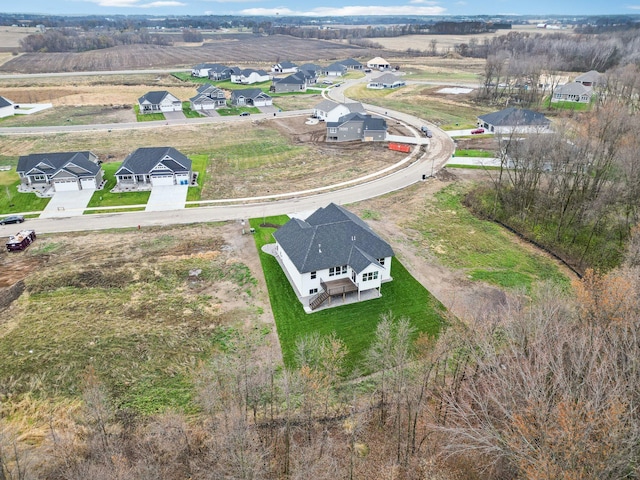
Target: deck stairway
{"points": [[319, 299]]}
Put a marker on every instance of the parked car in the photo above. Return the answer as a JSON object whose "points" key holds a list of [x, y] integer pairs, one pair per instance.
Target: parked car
{"points": [[426, 131], [12, 219], [477, 130], [327, 82], [245, 114]]}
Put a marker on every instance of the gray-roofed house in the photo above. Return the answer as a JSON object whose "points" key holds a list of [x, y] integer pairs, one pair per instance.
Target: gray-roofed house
{"points": [[514, 120], [310, 67], [352, 64], [332, 252], [214, 71], [7, 108], [62, 171], [219, 72], [250, 97], [158, 102], [387, 80], [335, 70], [151, 166], [572, 92], [589, 79], [249, 76], [209, 97], [330, 111], [357, 126], [296, 82], [284, 67]]}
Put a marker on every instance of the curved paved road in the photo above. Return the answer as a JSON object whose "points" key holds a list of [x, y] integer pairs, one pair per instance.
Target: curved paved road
{"points": [[438, 152]]}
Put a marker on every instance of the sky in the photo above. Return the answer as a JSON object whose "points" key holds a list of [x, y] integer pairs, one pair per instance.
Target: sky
{"points": [[322, 7]]}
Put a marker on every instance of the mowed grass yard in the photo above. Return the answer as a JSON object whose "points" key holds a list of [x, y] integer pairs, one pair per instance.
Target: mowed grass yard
{"points": [[10, 200], [482, 249], [354, 324]]}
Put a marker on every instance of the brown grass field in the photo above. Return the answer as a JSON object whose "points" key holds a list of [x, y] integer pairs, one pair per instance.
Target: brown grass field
{"points": [[254, 49]]}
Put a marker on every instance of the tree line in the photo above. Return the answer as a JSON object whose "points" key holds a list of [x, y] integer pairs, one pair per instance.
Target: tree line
{"points": [[540, 387], [71, 40]]}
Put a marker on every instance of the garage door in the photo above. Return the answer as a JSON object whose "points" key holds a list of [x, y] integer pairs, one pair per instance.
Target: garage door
{"points": [[182, 179], [66, 186], [88, 183], [162, 180]]}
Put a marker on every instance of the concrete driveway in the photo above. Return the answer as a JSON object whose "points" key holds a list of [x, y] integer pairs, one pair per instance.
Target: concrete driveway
{"points": [[174, 116], [167, 197], [67, 204]]}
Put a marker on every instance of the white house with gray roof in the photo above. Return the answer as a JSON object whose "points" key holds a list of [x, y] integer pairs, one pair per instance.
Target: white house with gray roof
{"points": [[332, 252], [387, 80], [515, 120], [249, 76], [159, 102], [64, 171], [330, 111], [152, 166], [7, 108], [250, 97], [572, 92]]}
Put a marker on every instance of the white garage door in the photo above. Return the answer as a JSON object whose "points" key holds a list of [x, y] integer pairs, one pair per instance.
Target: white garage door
{"points": [[182, 179], [162, 180], [66, 186], [88, 183]]}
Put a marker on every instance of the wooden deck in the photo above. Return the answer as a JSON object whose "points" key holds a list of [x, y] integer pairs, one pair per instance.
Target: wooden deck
{"points": [[339, 286]]}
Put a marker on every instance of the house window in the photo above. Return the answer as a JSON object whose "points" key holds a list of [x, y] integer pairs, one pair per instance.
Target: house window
{"points": [[312, 291], [333, 130], [333, 271], [380, 261], [369, 276], [313, 275], [39, 178]]}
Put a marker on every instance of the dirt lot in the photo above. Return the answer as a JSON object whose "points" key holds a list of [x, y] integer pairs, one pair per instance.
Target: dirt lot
{"points": [[252, 50]]}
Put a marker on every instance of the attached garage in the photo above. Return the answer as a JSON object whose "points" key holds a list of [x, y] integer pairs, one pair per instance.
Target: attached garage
{"points": [[182, 178], [157, 180], [88, 183], [66, 185]]}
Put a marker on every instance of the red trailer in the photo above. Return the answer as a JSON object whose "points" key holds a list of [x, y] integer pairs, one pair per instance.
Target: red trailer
{"points": [[21, 240]]}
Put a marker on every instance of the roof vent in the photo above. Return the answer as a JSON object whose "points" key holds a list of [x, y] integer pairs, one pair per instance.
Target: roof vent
{"points": [[353, 238], [319, 248]]}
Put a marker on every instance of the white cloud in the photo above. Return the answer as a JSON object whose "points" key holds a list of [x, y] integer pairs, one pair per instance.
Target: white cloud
{"points": [[633, 7], [137, 4], [422, 2], [348, 11]]}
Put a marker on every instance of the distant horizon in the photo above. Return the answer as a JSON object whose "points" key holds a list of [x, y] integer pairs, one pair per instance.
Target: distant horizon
{"points": [[328, 8]]}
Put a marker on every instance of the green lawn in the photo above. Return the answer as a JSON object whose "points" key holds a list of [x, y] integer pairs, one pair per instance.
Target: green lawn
{"points": [[565, 105], [10, 200], [474, 153], [147, 117], [354, 324], [186, 109], [483, 249], [104, 197], [199, 163]]}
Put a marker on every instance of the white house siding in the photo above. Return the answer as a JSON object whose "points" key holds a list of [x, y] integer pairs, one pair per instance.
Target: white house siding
{"points": [[7, 111], [169, 106], [296, 278], [369, 284]]}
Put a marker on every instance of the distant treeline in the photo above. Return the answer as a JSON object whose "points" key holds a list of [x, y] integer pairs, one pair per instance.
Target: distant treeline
{"points": [[68, 40]]}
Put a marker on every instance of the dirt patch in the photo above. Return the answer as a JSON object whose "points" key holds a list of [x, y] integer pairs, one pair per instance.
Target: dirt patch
{"points": [[16, 266]]}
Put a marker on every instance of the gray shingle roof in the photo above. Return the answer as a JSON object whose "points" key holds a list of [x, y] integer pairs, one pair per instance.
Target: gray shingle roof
{"points": [[573, 88], [350, 62], [51, 163], [293, 79], [336, 67], [154, 98], [368, 122], [144, 159], [248, 93], [326, 105], [330, 237], [4, 102], [513, 117], [592, 76]]}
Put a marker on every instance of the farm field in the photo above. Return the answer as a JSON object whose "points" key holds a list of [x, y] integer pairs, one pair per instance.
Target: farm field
{"points": [[254, 50]]}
